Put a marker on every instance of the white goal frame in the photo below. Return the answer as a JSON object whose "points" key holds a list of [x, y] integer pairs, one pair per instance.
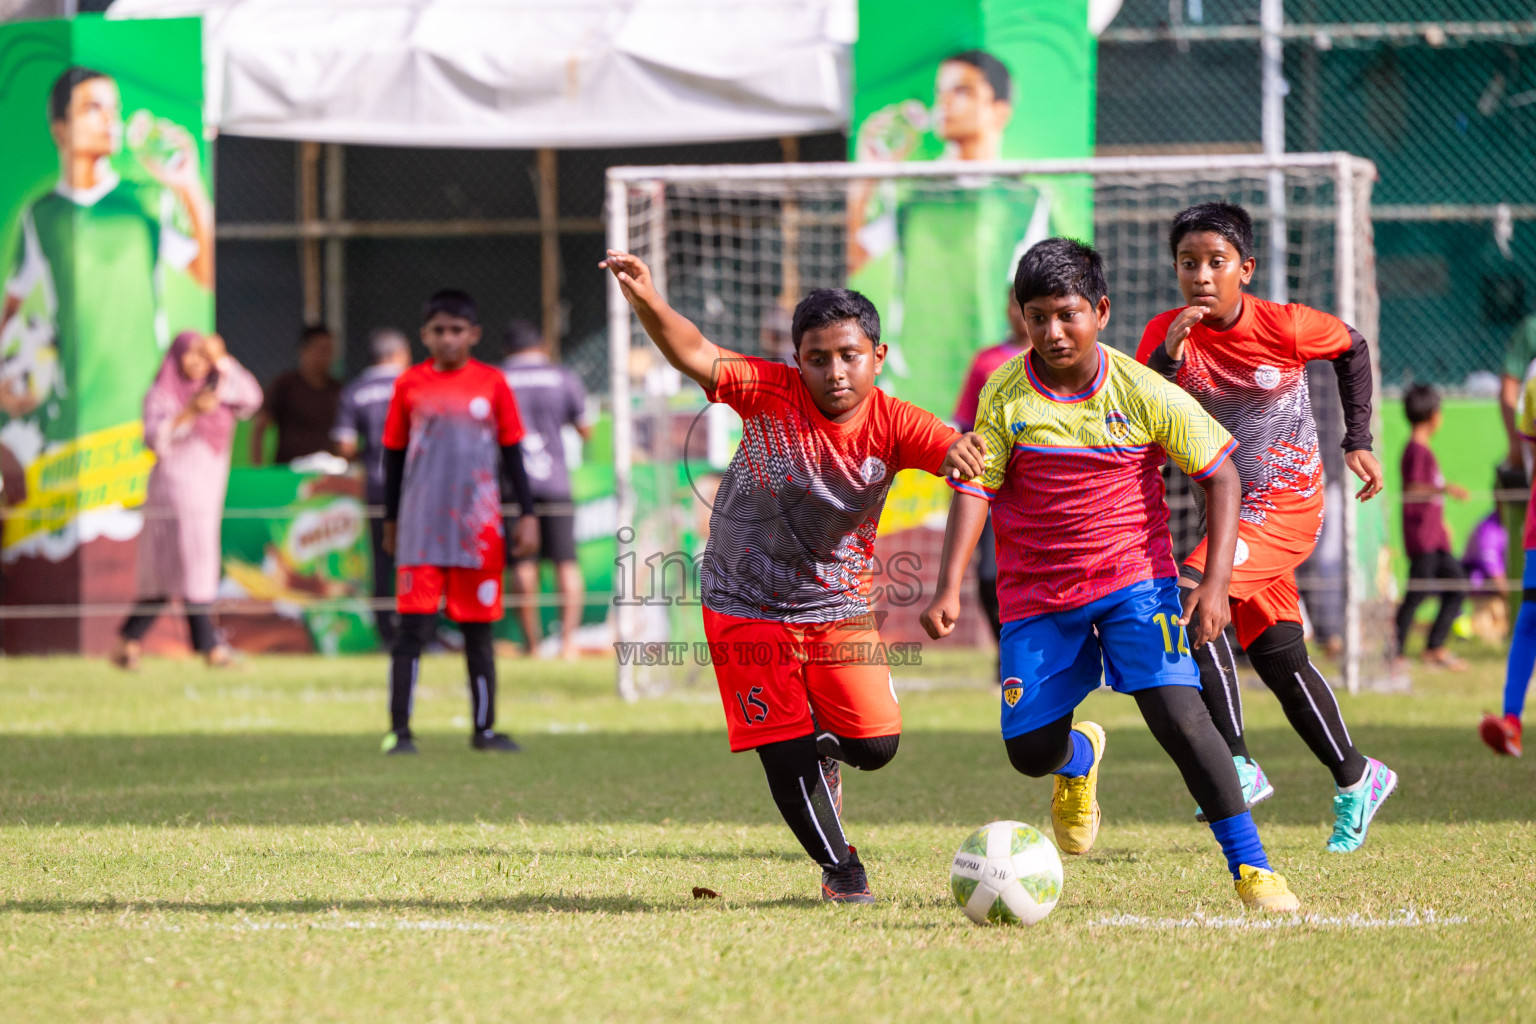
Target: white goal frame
{"points": [[1352, 295]]}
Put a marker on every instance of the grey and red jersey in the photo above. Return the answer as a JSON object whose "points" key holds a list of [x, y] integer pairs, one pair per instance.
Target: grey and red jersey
{"points": [[452, 426], [792, 533], [1252, 378]]}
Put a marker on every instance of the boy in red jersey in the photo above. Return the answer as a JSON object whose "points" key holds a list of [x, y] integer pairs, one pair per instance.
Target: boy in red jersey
{"points": [[791, 544], [452, 425], [1245, 360]]}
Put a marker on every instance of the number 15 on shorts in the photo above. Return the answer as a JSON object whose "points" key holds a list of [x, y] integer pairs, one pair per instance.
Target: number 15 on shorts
{"points": [[1169, 623]]}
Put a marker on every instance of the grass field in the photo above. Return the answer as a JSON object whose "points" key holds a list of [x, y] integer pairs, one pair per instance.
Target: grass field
{"points": [[189, 846]]}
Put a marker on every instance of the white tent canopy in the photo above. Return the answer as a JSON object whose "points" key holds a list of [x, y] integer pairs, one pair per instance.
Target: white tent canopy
{"points": [[520, 73]]}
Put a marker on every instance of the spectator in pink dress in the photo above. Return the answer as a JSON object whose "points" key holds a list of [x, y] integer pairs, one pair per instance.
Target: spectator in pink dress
{"points": [[189, 422]]}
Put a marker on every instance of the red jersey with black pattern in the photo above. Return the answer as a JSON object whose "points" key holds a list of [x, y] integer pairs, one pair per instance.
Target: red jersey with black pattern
{"points": [[1252, 378], [452, 426], [792, 533]]}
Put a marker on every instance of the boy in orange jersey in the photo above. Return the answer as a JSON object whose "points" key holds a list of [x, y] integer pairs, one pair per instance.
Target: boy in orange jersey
{"points": [[1245, 361], [791, 544]]}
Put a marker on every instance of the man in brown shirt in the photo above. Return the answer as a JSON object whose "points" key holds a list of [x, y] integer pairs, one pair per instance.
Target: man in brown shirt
{"points": [[301, 403]]}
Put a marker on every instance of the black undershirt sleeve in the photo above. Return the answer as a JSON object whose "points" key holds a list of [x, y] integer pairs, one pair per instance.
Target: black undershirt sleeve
{"points": [[1353, 369], [517, 478], [1161, 362], [394, 476]]}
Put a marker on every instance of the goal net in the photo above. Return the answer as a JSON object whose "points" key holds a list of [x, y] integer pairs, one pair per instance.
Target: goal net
{"points": [[735, 247]]}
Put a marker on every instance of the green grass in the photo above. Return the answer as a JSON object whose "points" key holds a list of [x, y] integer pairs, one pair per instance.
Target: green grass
{"points": [[187, 845]]}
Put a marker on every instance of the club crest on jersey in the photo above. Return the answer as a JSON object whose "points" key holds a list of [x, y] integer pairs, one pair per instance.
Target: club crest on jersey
{"points": [[1118, 424], [1013, 689], [1266, 377], [872, 471], [479, 407]]}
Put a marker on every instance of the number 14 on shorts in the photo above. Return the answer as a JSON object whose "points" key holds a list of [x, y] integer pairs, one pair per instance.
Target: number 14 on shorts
{"points": [[1169, 623]]}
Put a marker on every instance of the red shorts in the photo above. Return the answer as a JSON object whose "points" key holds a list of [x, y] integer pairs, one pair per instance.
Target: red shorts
{"points": [[474, 595], [1263, 590], [774, 675]]}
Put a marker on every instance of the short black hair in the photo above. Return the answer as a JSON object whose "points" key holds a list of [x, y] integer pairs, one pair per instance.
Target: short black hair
{"points": [[1420, 403], [451, 302], [1060, 267], [825, 307], [311, 332], [522, 335], [64, 90], [1228, 220], [992, 69]]}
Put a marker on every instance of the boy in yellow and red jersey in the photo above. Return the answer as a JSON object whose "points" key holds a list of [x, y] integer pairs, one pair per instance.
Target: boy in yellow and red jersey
{"points": [[1075, 436], [1245, 361]]}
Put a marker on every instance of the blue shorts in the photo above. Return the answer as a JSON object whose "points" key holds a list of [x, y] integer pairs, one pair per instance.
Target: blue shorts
{"points": [[1131, 637]]}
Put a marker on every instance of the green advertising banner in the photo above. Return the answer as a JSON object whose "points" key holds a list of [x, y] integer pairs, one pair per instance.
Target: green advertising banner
{"points": [[966, 80], [106, 252]]}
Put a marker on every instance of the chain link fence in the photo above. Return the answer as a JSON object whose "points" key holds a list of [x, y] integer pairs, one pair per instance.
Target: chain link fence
{"points": [[1441, 94]]}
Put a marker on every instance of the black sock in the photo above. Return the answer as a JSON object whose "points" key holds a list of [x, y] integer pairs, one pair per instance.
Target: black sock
{"points": [[1279, 656], [1179, 721], [1041, 751], [794, 778], [1219, 688], [867, 754], [404, 661], [480, 658]]}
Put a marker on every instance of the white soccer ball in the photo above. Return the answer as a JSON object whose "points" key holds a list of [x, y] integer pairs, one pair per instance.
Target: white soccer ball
{"points": [[1006, 873]]}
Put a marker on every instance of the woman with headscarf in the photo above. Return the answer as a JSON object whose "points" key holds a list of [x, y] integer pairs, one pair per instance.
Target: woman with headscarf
{"points": [[189, 422]]}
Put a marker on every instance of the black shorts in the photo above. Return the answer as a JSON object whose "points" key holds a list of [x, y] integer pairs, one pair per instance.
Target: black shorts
{"points": [[557, 540]]}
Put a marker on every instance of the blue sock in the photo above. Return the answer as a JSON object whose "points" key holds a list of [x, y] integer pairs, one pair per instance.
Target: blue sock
{"points": [[1082, 757], [1522, 658], [1239, 840]]}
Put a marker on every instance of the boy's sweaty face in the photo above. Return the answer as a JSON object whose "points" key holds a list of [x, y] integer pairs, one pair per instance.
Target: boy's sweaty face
{"points": [[838, 364], [1212, 275], [1064, 330], [449, 339]]}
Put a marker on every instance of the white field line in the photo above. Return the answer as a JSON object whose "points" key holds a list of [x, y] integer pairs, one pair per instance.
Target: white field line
{"points": [[1406, 918]]}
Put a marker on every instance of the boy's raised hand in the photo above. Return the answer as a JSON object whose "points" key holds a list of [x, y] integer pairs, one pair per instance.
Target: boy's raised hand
{"points": [[966, 458], [633, 275], [1178, 331]]}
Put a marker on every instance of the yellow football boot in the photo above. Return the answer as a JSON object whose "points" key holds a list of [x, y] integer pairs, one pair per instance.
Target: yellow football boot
{"points": [[1075, 811], [1265, 890]]}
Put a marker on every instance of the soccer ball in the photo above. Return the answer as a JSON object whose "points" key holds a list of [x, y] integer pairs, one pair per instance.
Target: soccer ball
{"points": [[1006, 873]]}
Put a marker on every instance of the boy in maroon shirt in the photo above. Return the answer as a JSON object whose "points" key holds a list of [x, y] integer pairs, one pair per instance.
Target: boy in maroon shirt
{"points": [[1425, 537]]}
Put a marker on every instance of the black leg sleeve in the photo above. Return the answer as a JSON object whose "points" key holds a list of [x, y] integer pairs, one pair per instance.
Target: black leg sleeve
{"points": [[794, 778], [1279, 656], [1221, 692], [867, 754], [1178, 719], [405, 659], [1041, 751], [480, 658]]}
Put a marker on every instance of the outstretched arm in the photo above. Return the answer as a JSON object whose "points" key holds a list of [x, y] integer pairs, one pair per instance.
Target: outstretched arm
{"points": [[1206, 610], [967, 517], [674, 334]]}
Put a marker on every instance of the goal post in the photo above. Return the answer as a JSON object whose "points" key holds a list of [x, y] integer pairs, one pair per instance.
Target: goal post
{"points": [[733, 247]]}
